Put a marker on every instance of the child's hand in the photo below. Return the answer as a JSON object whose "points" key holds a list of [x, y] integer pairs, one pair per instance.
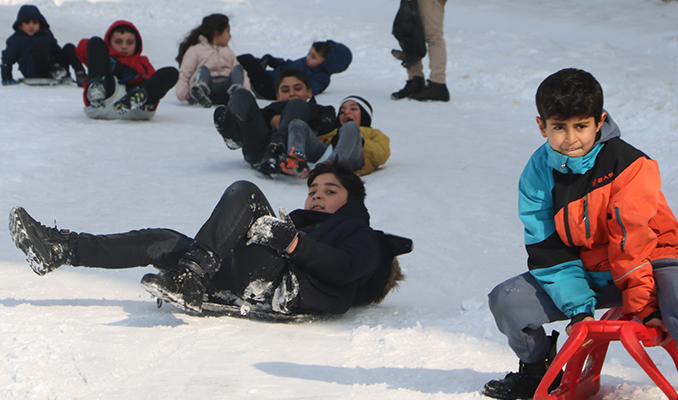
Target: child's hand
{"points": [[277, 233], [575, 320], [275, 122], [661, 325], [7, 82]]}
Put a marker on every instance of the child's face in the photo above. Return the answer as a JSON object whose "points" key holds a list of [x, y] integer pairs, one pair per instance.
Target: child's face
{"points": [[292, 88], [349, 111], [124, 43], [222, 39], [313, 59], [30, 26], [326, 194], [573, 137]]}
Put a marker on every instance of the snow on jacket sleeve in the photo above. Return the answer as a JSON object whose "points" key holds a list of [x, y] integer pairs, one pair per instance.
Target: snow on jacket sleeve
{"points": [[354, 258], [555, 266], [633, 205], [9, 57]]}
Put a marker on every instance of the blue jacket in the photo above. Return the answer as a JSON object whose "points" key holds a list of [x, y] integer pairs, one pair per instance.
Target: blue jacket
{"points": [[337, 61], [20, 45]]}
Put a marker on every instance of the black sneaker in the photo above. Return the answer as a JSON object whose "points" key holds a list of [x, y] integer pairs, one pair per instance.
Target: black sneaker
{"points": [[96, 93], [80, 78], [524, 383], [135, 98], [269, 165], [411, 87], [46, 249], [433, 92], [200, 93], [230, 126], [181, 286]]}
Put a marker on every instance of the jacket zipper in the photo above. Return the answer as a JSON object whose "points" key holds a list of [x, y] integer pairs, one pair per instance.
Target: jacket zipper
{"points": [[566, 207], [586, 216], [617, 213]]}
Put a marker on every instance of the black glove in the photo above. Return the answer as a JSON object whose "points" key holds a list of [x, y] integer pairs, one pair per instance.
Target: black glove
{"points": [[269, 61], [123, 72], [278, 234]]}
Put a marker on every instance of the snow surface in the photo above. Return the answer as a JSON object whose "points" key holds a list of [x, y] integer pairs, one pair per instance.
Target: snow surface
{"points": [[451, 185]]}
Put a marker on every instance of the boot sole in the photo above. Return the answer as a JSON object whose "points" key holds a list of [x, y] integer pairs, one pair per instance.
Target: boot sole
{"points": [[23, 242], [224, 123], [199, 95], [171, 297]]}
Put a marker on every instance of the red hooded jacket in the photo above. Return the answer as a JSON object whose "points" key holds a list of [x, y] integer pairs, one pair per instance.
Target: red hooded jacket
{"points": [[140, 63]]}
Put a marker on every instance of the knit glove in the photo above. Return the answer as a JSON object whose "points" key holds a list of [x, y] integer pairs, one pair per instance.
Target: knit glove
{"points": [[276, 233], [6, 82]]}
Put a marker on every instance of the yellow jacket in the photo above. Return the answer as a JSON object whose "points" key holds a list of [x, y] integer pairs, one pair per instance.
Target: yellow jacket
{"points": [[376, 149]]}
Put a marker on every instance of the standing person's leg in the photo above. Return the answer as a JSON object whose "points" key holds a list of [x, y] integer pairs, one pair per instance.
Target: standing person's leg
{"points": [[349, 146], [225, 230], [260, 79], [433, 17]]}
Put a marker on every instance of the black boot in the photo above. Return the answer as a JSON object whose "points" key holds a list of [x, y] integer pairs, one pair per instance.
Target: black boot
{"points": [[230, 126], [524, 383], [433, 92], [134, 99], [411, 87], [185, 285], [269, 163], [46, 248]]}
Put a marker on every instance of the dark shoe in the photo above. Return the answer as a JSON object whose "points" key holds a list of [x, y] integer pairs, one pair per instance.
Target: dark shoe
{"points": [[411, 87], [433, 92], [58, 72], [524, 383], [96, 92], [80, 78], [135, 98], [269, 163], [46, 248], [185, 285], [229, 126], [294, 163], [200, 93]]}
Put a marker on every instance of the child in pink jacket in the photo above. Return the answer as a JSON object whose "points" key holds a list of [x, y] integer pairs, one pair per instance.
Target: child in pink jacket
{"points": [[209, 70]]}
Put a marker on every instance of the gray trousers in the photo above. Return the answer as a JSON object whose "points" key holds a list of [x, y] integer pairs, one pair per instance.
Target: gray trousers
{"points": [[521, 307], [349, 145], [217, 88]]}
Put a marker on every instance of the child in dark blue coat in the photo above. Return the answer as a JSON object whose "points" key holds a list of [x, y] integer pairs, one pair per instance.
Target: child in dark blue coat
{"points": [[34, 47], [323, 59]]}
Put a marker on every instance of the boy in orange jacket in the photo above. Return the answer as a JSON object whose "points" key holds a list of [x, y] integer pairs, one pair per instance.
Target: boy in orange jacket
{"points": [[122, 84], [598, 232]]}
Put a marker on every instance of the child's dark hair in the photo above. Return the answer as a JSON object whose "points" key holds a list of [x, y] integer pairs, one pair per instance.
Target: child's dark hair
{"points": [[211, 24], [322, 48], [295, 72], [122, 29], [348, 179], [570, 93]]}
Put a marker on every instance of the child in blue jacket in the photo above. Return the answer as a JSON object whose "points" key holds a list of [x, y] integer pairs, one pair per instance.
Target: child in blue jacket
{"points": [[323, 59], [34, 47]]}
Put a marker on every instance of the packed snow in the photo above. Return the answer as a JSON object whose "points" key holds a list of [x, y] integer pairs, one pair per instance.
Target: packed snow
{"points": [[450, 185]]}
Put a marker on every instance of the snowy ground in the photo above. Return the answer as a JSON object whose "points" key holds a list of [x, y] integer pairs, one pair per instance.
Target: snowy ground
{"points": [[451, 185]]}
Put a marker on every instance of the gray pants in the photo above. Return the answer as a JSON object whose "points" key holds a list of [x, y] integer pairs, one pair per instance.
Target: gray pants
{"points": [[217, 87], [521, 307], [349, 146]]}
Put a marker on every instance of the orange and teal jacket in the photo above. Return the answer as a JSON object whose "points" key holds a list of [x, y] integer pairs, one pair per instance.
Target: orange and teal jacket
{"points": [[596, 220]]}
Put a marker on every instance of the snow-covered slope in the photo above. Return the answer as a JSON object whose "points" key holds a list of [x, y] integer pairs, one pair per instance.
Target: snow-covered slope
{"points": [[451, 185]]}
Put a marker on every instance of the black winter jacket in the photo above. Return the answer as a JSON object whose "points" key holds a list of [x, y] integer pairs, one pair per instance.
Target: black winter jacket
{"points": [[336, 254], [20, 46]]}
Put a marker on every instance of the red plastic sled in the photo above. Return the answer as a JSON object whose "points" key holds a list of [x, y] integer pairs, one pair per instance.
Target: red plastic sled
{"points": [[589, 342]]}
